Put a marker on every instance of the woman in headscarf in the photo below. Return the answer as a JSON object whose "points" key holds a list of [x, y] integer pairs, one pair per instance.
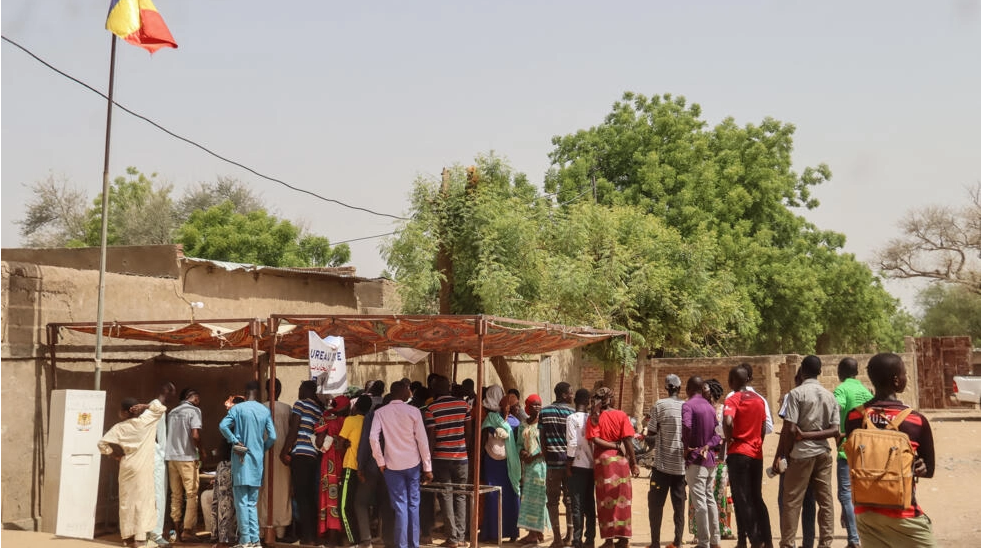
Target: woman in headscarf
{"points": [[611, 433], [223, 503], [332, 458], [532, 514], [713, 392], [502, 466]]}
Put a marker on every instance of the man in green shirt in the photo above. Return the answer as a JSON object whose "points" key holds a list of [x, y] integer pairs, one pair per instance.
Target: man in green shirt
{"points": [[850, 394]]}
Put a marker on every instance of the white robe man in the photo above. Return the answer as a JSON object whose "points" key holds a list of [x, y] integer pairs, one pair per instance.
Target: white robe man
{"points": [[168, 392], [131, 442], [282, 505]]}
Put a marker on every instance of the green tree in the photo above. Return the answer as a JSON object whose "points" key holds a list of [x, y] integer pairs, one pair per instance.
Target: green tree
{"points": [[141, 212], [950, 310], [850, 292], [733, 185], [221, 233], [516, 254], [207, 194]]}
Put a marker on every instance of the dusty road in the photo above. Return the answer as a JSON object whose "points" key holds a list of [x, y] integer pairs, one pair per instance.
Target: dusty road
{"points": [[952, 499]]}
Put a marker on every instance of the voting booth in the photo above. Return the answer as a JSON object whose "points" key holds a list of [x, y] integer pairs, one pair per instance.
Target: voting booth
{"points": [[72, 461]]}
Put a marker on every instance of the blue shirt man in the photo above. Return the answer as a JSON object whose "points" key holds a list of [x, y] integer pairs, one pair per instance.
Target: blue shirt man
{"points": [[248, 426]]}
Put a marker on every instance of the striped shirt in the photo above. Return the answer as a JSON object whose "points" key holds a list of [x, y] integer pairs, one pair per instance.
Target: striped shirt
{"points": [[666, 426], [552, 426], [309, 412], [917, 428], [448, 415]]}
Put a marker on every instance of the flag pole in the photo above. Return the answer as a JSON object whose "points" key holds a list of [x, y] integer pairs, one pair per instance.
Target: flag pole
{"points": [[105, 220]]}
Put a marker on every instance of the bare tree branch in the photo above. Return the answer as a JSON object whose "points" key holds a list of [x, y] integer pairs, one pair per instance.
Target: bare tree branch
{"points": [[56, 214], [937, 242]]}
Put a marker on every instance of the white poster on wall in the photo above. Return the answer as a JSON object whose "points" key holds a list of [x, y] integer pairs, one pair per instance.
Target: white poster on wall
{"points": [[327, 364]]}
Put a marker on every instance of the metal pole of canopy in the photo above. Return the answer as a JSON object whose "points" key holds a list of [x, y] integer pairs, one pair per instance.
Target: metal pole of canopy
{"points": [[482, 329], [620, 394], [52, 344], [271, 390], [254, 329]]}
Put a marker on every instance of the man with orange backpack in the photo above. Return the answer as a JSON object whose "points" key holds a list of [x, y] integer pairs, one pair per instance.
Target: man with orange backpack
{"points": [[888, 445]]}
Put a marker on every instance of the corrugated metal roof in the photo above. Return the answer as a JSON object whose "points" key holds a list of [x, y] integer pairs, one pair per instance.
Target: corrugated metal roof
{"points": [[346, 273]]}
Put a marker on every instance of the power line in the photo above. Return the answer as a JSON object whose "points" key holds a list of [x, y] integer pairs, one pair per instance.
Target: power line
{"points": [[364, 238], [194, 143], [572, 199]]}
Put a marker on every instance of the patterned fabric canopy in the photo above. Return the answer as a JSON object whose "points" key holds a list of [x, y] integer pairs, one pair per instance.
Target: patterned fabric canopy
{"points": [[201, 335], [436, 333], [368, 334]]}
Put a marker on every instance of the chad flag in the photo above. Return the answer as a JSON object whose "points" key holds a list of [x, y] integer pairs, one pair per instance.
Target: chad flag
{"points": [[139, 23]]}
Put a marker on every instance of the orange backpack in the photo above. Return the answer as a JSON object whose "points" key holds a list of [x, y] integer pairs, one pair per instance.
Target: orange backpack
{"points": [[881, 463]]}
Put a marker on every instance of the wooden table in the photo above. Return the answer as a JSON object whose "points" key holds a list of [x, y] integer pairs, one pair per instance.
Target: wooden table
{"points": [[465, 489]]}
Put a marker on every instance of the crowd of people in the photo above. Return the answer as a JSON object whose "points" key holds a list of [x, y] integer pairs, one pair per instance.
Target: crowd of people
{"points": [[352, 469], [707, 441]]}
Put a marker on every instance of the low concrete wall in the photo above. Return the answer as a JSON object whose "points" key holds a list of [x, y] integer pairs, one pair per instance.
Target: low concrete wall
{"points": [[830, 377], [654, 372], [773, 376]]}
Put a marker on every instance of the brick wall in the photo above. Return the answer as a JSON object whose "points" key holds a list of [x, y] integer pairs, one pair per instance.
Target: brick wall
{"points": [[655, 371], [764, 369], [773, 376], [940, 359], [830, 378], [592, 374]]}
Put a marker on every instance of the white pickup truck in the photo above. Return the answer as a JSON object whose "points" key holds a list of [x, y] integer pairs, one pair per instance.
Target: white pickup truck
{"points": [[968, 389]]}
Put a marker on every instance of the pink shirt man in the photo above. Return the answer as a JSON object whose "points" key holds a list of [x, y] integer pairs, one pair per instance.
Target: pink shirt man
{"points": [[405, 437]]}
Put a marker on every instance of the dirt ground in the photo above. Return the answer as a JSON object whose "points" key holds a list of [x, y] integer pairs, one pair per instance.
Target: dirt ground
{"points": [[952, 498]]}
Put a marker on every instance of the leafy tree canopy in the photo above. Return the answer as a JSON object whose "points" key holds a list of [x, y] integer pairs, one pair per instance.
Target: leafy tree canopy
{"points": [[141, 212], [221, 233], [223, 220], [950, 310], [733, 185], [207, 194], [515, 254], [655, 223]]}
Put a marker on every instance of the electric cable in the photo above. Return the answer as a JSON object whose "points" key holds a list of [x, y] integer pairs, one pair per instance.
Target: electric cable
{"points": [[194, 143]]}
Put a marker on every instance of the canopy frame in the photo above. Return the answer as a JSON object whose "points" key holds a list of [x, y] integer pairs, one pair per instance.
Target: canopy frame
{"points": [[269, 337]]}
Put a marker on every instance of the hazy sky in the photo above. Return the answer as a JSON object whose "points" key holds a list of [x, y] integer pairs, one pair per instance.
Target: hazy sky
{"points": [[354, 100]]}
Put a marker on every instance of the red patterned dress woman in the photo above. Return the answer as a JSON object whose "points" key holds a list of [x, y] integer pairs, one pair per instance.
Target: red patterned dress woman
{"points": [[329, 518]]}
